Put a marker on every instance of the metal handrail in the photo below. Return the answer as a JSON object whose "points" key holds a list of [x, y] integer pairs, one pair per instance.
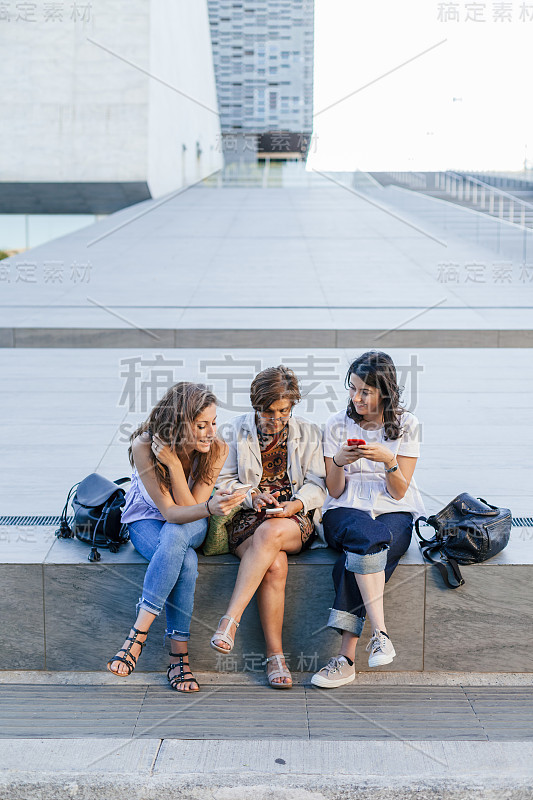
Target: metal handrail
{"points": [[489, 186], [444, 181]]}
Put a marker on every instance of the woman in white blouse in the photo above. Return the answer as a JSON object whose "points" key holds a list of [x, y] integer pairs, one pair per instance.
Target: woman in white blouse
{"points": [[371, 450]]}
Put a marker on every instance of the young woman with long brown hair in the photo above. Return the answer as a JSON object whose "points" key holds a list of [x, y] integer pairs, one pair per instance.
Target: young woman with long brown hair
{"points": [[176, 459], [371, 449]]}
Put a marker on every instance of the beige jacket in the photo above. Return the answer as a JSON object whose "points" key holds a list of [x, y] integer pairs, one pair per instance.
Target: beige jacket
{"points": [[305, 463]]}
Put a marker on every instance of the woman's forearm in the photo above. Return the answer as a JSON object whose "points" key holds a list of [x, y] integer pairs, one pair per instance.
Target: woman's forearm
{"points": [[180, 489], [396, 484], [335, 480], [181, 514]]}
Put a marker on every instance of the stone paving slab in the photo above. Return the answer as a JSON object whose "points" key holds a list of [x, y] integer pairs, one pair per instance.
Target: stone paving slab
{"points": [[244, 712], [490, 333], [251, 769]]}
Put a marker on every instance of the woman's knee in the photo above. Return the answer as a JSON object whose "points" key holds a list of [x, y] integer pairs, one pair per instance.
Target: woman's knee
{"points": [[173, 542], [270, 534], [190, 562]]}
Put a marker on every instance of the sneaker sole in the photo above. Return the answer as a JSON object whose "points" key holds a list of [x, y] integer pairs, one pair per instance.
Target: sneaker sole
{"points": [[379, 661], [325, 683]]}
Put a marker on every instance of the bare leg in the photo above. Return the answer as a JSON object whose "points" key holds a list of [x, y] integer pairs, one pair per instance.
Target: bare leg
{"points": [[271, 604], [371, 587], [265, 544], [142, 623]]}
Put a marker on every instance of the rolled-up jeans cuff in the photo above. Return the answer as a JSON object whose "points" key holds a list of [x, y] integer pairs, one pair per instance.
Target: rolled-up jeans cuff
{"points": [[178, 636], [148, 606], [371, 562], [344, 621]]}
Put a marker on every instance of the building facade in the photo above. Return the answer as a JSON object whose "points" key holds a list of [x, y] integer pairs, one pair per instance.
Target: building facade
{"points": [[104, 106], [263, 58]]}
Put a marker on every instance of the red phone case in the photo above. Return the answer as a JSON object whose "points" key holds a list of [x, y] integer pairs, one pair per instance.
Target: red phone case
{"points": [[355, 442]]}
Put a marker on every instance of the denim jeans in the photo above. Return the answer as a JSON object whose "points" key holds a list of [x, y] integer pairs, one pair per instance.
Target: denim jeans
{"points": [[171, 575], [367, 545]]}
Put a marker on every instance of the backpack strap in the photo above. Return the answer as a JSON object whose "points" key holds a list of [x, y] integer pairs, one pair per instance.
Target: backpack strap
{"points": [[441, 563], [64, 531]]}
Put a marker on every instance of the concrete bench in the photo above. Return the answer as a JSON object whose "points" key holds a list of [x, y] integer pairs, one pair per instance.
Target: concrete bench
{"points": [[60, 612]]}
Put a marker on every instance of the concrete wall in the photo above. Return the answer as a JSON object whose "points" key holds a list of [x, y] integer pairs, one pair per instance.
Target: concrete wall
{"points": [[180, 53], [74, 111]]}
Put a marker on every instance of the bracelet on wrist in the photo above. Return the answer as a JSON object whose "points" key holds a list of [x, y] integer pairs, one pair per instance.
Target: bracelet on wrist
{"points": [[392, 469], [207, 506], [337, 465]]}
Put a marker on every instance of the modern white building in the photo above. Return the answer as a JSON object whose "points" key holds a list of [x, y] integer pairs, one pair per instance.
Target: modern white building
{"points": [[104, 104], [263, 52]]}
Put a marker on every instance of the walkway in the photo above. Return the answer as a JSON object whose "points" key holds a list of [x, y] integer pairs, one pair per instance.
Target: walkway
{"points": [[353, 713], [305, 261]]}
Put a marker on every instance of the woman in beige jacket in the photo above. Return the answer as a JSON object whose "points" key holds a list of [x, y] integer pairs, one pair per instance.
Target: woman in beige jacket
{"points": [[281, 458]]}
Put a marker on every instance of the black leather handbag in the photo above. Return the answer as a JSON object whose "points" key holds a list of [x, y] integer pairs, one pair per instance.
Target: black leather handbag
{"points": [[97, 506], [469, 530]]}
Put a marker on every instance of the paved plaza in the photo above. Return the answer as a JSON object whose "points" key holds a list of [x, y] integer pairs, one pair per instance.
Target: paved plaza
{"points": [[213, 285], [316, 256], [67, 412]]}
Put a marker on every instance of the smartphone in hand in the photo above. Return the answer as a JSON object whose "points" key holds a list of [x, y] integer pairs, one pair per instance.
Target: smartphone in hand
{"points": [[244, 489], [355, 442]]}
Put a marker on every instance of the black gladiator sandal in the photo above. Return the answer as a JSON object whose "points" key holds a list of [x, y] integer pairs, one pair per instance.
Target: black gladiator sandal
{"points": [[177, 679], [127, 654]]}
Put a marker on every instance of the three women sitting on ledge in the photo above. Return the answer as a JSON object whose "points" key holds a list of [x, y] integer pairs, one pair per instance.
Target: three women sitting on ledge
{"points": [[274, 470]]}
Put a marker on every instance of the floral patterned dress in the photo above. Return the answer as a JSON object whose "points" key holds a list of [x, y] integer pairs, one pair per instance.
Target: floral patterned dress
{"points": [[273, 449]]}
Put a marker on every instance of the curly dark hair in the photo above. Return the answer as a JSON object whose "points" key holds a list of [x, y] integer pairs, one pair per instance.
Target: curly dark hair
{"points": [[377, 369]]}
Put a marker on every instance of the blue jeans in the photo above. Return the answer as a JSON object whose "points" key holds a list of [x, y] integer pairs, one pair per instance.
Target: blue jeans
{"points": [[171, 575], [367, 545]]}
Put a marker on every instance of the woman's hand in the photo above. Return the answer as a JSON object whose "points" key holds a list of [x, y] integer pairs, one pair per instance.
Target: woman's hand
{"points": [[263, 499], [377, 452], [223, 501], [162, 451], [290, 508], [348, 454]]}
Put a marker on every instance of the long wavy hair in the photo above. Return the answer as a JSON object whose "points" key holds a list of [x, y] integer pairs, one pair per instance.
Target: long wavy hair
{"points": [[377, 369], [172, 420]]}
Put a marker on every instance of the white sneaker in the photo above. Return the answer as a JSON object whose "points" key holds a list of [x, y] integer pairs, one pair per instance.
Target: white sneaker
{"points": [[381, 649], [337, 672]]}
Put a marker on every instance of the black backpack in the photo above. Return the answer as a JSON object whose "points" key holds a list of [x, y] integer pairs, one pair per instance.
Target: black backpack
{"points": [[97, 506], [468, 530]]}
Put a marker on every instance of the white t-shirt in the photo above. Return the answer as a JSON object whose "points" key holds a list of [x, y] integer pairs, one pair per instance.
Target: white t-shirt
{"points": [[366, 487]]}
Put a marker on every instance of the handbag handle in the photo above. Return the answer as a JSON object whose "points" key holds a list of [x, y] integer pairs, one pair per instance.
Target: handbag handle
{"points": [[495, 510], [121, 480], [428, 522]]}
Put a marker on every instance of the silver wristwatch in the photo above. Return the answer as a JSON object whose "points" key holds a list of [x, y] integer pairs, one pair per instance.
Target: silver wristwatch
{"points": [[392, 469]]}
